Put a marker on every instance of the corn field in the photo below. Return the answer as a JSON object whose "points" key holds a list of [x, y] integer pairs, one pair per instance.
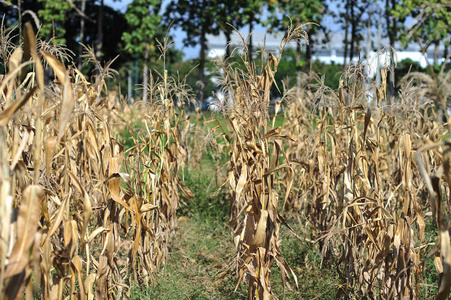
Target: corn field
{"points": [[82, 216]]}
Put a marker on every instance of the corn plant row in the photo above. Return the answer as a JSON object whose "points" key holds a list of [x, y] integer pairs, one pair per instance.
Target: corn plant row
{"points": [[257, 157], [80, 218], [361, 169]]}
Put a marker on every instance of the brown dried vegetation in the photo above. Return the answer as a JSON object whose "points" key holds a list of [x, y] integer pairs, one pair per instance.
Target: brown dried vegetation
{"points": [[359, 164], [82, 217], [256, 158]]}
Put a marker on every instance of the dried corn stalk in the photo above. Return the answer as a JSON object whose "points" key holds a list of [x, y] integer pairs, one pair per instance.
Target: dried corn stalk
{"points": [[69, 211], [357, 184], [255, 161]]}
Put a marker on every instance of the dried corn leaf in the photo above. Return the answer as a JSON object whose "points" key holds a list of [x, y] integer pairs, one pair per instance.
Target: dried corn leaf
{"points": [[27, 225]]}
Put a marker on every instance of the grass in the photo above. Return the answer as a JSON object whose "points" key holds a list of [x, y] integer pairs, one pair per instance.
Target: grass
{"points": [[430, 277], [201, 251], [202, 247], [196, 257]]}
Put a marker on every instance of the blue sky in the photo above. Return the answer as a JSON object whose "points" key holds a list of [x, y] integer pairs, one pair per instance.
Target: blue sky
{"points": [[120, 5]]}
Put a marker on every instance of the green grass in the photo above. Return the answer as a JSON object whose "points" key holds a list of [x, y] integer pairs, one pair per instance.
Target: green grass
{"points": [[429, 279], [315, 281], [197, 257], [203, 249]]}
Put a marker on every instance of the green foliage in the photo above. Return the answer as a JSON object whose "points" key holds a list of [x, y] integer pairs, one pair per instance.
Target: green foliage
{"points": [[331, 72], [197, 256], [430, 276], [408, 65], [53, 17], [299, 11], [228, 13], [316, 280], [176, 66], [186, 67], [143, 19], [253, 9], [195, 17], [210, 202], [287, 69], [431, 23]]}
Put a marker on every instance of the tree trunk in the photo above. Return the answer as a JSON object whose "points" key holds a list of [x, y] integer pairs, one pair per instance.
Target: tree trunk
{"points": [[228, 50], [250, 45], [100, 30], [346, 42], [145, 70], [308, 53], [299, 70], [203, 48], [19, 12], [436, 52], [82, 34], [354, 25], [391, 29], [368, 39], [445, 52], [379, 43], [129, 91]]}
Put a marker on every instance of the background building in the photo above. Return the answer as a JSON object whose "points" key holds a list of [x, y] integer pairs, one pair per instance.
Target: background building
{"points": [[329, 49]]}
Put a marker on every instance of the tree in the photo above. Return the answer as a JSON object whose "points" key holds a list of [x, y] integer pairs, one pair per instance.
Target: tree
{"points": [[61, 19], [100, 29], [143, 19], [113, 21], [430, 25], [354, 20], [82, 33], [52, 17], [228, 15], [252, 11], [20, 12], [300, 12], [197, 18], [392, 29]]}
